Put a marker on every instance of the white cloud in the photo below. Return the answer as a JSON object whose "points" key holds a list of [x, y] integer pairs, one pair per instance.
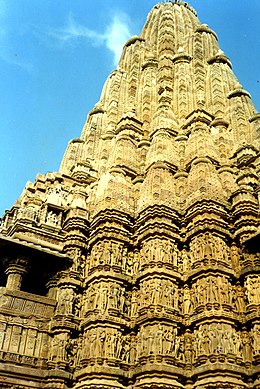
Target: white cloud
{"points": [[115, 35], [7, 52]]}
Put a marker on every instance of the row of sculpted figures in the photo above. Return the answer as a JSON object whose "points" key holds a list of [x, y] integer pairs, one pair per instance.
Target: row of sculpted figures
{"points": [[206, 293], [204, 250], [164, 342]]}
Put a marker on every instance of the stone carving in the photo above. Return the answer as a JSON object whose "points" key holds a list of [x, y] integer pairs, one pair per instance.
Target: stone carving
{"points": [[136, 265], [160, 251], [212, 290], [159, 292], [104, 343], [104, 297], [55, 196], [218, 338], [209, 249], [252, 289], [58, 348], [107, 253], [255, 334], [159, 340], [52, 218], [66, 300]]}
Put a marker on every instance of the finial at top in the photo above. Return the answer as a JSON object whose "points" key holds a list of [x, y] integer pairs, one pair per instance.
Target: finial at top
{"points": [[177, 2]]}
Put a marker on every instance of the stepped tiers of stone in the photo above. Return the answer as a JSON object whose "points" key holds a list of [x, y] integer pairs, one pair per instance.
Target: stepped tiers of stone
{"points": [[136, 266]]}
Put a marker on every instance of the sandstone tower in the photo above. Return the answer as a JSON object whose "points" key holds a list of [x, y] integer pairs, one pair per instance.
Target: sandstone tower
{"points": [[136, 266]]}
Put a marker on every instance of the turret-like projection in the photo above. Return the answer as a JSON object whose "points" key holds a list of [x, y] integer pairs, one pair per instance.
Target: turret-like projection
{"points": [[136, 266]]}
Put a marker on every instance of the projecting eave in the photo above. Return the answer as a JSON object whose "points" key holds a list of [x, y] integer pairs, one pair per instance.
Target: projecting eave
{"points": [[11, 248], [253, 243]]}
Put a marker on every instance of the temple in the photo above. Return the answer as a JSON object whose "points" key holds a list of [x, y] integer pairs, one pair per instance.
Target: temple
{"points": [[137, 265]]}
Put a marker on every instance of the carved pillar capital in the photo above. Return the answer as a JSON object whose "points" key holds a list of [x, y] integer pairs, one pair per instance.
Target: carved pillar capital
{"points": [[15, 270]]}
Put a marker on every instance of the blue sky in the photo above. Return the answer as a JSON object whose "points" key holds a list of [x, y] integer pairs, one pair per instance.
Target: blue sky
{"points": [[55, 56]]}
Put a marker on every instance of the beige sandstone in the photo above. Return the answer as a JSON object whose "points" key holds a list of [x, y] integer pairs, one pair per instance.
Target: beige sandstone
{"points": [[137, 264]]}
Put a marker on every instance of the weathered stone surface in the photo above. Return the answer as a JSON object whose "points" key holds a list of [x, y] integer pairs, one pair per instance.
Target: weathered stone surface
{"points": [[137, 264]]}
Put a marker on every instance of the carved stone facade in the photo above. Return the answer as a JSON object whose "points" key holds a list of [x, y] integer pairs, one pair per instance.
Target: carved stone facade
{"points": [[137, 264]]}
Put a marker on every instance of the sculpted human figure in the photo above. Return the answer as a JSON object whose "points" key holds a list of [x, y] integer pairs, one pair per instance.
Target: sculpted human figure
{"points": [[196, 344], [93, 256], [240, 299], [85, 353], [108, 353], [126, 349], [223, 290], [111, 297], [237, 343], [186, 300], [120, 254], [54, 196], [158, 344], [109, 252], [52, 218], [68, 300], [145, 295], [128, 263], [102, 339], [223, 250], [134, 303], [168, 251], [202, 292], [77, 260], [246, 347], [225, 342], [170, 338], [138, 345], [154, 251], [149, 341], [185, 260], [136, 262], [176, 298], [175, 256], [195, 249], [133, 350], [102, 256], [235, 257], [152, 292], [145, 253], [165, 340], [97, 254], [93, 343], [171, 296], [255, 333], [208, 290], [212, 337], [114, 344], [250, 291], [214, 290], [98, 296], [188, 348], [204, 340], [158, 292], [161, 252], [125, 260], [61, 305], [54, 348], [65, 302], [89, 300], [195, 294], [104, 298], [208, 249], [176, 348], [120, 300]]}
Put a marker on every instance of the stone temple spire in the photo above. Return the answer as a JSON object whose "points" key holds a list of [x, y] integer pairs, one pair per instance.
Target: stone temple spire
{"points": [[137, 264]]}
